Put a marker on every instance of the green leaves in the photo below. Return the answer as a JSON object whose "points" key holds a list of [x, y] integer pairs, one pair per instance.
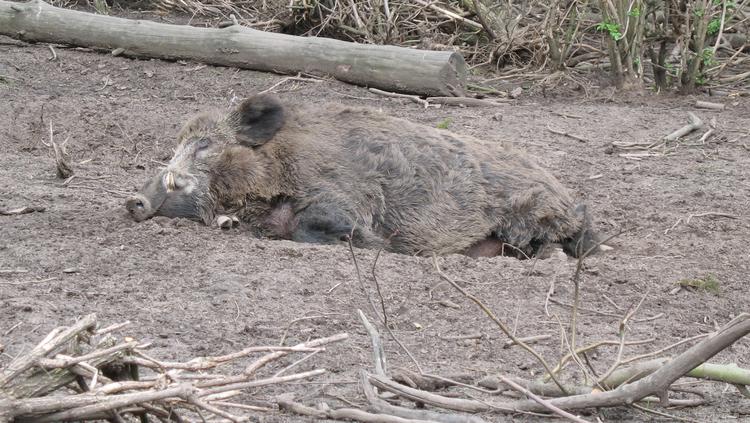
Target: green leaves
{"points": [[707, 57], [445, 123], [612, 28], [713, 26], [707, 283]]}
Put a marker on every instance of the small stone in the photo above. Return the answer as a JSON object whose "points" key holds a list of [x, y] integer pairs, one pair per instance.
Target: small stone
{"points": [[468, 342]]}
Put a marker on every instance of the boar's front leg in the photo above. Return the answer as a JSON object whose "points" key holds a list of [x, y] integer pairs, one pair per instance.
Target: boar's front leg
{"points": [[226, 222], [325, 224]]}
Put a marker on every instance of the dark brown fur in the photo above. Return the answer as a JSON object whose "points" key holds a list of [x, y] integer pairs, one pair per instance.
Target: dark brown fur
{"points": [[318, 174]]}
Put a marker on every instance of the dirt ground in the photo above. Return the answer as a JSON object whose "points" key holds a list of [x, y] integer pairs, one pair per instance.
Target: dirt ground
{"points": [[192, 290]]}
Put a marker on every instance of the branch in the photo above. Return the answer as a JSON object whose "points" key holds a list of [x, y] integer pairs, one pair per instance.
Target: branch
{"points": [[377, 345], [656, 383], [544, 403], [659, 381], [381, 406], [695, 123], [56, 339], [450, 14]]}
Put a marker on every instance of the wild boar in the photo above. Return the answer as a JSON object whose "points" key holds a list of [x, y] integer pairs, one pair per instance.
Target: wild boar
{"points": [[324, 173]]}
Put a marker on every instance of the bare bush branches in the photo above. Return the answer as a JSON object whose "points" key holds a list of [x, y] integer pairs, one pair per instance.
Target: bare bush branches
{"points": [[536, 35]]}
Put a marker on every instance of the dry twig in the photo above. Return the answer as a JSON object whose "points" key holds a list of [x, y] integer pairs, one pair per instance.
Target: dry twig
{"points": [[298, 78], [414, 98], [64, 170], [467, 101], [567, 134], [708, 105], [21, 210], [694, 124], [544, 403], [691, 216]]}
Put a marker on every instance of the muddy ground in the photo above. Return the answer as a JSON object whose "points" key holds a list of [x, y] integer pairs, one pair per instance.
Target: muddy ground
{"points": [[192, 290]]}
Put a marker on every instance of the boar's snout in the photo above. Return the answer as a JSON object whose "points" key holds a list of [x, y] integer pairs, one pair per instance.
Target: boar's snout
{"points": [[169, 194], [139, 207]]}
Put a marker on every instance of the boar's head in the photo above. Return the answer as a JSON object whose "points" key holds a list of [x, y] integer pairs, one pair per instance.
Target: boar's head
{"points": [[183, 187]]}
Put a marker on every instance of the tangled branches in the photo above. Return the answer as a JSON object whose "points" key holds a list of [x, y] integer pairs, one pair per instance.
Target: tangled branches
{"points": [[671, 44], [97, 377], [487, 33], [665, 44]]}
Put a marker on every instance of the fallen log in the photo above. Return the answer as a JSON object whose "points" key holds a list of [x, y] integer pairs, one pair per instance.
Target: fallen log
{"points": [[424, 72]]}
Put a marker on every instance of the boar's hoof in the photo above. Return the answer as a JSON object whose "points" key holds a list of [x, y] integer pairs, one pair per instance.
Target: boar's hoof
{"points": [[227, 222], [224, 222]]}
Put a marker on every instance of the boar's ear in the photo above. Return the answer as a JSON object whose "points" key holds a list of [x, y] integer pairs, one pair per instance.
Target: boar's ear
{"points": [[258, 119]]}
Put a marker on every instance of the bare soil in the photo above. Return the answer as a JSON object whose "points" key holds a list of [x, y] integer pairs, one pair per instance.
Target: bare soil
{"points": [[193, 290]]}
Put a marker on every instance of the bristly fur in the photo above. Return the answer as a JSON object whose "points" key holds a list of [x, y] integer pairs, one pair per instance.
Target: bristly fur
{"points": [[442, 192], [316, 173]]}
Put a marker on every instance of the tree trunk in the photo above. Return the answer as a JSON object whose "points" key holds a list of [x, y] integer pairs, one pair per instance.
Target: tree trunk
{"points": [[432, 73]]}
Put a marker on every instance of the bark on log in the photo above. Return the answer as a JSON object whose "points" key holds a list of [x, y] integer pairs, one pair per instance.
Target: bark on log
{"points": [[433, 73]]}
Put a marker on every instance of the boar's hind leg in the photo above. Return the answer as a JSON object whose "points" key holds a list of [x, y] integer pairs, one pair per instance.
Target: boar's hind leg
{"points": [[585, 240], [488, 247], [319, 224]]}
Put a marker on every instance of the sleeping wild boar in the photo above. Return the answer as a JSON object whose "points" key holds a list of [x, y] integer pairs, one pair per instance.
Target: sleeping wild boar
{"points": [[322, 174]]}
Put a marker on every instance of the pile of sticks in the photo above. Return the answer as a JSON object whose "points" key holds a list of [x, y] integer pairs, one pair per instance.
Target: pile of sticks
{"points": [[83, 372]]}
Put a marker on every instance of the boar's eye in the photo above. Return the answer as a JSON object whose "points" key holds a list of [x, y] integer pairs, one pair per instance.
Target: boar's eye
{"points": [[202, 144]]}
